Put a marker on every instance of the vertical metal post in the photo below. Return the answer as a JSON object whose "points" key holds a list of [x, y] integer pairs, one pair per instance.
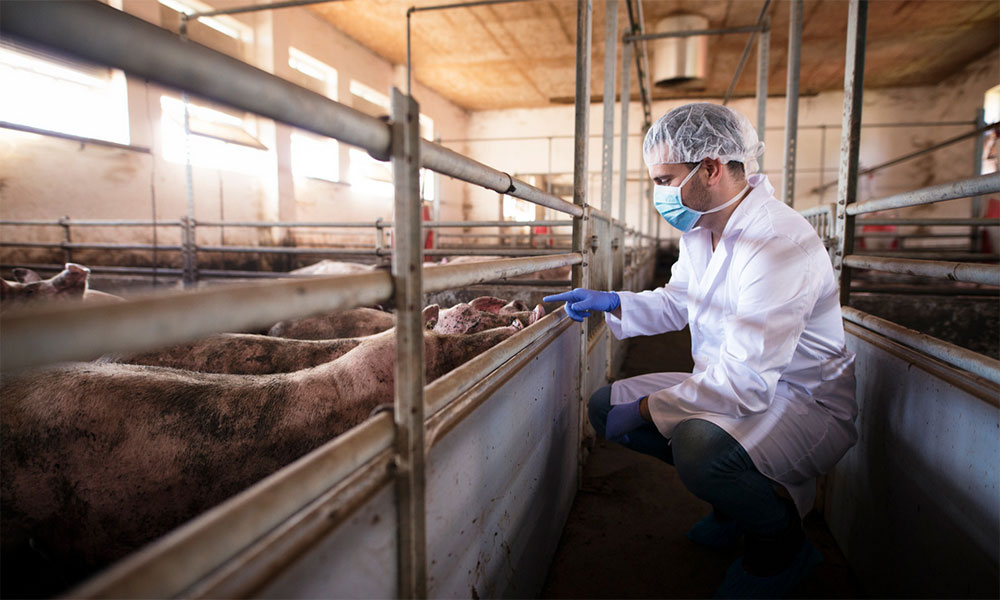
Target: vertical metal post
{"points": [[407, 263], [581, 272], [850, 138], [380, 260], [977, 169], [189, 251], [608, 137], [763, 66], [67, 239], [822, 161], [792, 98], [626, 101]]}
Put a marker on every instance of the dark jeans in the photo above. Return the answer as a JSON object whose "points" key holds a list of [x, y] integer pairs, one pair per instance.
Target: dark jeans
{"points": [[713, 466]]}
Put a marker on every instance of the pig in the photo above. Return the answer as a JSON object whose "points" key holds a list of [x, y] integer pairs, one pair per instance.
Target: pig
{"points": [[247, 354], [485, 312], [68, 284], [332, 267], [356, 322], [97, 460]]}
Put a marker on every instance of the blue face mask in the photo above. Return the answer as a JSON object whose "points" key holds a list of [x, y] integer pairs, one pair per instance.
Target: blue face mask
{"points": [[667, 200]]}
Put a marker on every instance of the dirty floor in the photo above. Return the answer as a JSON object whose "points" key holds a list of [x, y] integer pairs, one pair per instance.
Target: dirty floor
{"points": [[624, 537]]}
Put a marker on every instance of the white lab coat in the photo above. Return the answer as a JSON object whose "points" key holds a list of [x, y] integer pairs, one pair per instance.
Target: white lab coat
{"points": [[767, 338]]}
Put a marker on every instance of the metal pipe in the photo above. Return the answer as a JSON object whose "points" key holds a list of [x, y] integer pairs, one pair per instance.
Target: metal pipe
{"points": [[983, 184], [448, 162], [266, 224], [850, 140], [251, 8], [640, 77], [92, 223], [955, 271], [978, 131], [746, 52], [499, 251], [86, 246], [83, 332], [608, 133], [102, 34], [168, 566], [978, 364], [943, 222], [948, 257], [691, 33], [439, 278], [99, 269], [645, 75], [923, 290], [763, 72], [409, 361], [792, 99], [625, 98], [284, 250], [471, 224]]}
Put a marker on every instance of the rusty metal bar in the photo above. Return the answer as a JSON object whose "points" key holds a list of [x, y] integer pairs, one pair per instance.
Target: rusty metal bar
{"points": [[169, 566], [409, 393], [956, 356], [975, 186], [850, 140], [955, 271]]}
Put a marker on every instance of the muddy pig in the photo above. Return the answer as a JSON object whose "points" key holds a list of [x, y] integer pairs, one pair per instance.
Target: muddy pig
{"points": [[246, 354], [68, 284], [97, 460], [485, 312], [356, 322]]}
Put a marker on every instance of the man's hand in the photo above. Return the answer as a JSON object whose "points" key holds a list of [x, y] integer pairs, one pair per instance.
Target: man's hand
{"points": [[581, 301]]}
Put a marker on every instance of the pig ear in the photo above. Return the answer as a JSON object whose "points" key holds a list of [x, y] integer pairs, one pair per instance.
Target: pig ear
{"points": [[431, 315], [79, 270], [488, 304], [72, 280], [536, 314], [26, 276]]}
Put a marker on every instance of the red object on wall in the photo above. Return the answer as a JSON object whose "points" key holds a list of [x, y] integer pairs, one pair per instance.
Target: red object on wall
{"points": [[879, 228], [429, 238], [990, 245]]}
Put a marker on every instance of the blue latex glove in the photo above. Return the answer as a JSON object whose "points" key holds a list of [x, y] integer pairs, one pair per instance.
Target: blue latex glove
{"points": [[622, 419], [581, 301]]}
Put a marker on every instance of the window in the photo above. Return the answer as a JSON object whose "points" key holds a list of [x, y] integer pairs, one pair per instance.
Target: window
{"points": [[225, 25], [323, 76], [62, 95], [515, 209], [991, 142], [314, 155], [219, 139], [368, 175]]}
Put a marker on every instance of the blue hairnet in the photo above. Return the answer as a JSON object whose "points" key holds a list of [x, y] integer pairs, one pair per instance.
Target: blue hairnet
{"points": [[694, 132]]}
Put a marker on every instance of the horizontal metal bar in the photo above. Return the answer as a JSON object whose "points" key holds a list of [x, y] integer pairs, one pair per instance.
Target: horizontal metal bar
{"points": [[967, 272], [693, 32], [94, 223], [448, 162], [414, 9], [924, 290], [943, 222], [99, 269], [172, 564], [440, 393], [911, 155], [975, 186], [295, 250], [947, 257], [253, 8], [290, 224], [502, 235], [538, 283], [83, 332], [102, 34], [908, 236], [494, 252], [956, 356], [74, 138], [84, 246], [472, 224], [445, 277]]}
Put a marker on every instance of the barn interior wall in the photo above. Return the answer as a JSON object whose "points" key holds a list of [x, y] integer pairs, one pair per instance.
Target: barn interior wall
{"points": [[47, 177], [955, 98]]}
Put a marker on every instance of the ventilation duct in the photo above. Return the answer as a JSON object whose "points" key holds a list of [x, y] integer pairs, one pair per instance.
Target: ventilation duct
{"points": [[681, 59]]}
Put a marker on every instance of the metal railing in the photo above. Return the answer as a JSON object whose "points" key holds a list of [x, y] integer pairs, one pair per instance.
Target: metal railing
{"points": [[45, 335]]}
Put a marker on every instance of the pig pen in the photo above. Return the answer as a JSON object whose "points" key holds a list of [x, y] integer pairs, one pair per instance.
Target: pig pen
{"points": [[464, 487]]}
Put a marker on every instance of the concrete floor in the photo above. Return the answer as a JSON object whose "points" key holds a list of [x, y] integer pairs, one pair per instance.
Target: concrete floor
{"points": [[624, 537]]}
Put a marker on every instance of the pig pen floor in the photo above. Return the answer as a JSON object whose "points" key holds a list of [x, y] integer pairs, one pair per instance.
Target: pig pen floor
{"points": [[624, 537]]}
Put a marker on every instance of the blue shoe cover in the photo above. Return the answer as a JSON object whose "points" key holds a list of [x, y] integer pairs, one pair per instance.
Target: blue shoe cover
{"points": [[740, 584], [713, 533]]}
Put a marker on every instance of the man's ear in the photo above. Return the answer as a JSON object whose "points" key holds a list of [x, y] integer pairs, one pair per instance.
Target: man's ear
{"points": [[713, 170]]}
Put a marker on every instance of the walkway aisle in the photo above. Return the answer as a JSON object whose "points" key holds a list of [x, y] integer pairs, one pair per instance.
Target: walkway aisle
{"points": [[625, 534]]}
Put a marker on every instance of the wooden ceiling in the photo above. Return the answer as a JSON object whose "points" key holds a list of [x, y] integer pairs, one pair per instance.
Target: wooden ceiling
{"points": [[523, 54]]}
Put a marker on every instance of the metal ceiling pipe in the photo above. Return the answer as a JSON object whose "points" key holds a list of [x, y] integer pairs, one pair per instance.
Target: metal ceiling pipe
{"points": [[102, 34], [792, 99], [678, 59]]}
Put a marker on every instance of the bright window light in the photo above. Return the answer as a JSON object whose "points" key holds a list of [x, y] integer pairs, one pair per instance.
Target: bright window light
{"points": [[227, 26], [63, 97], [370, 176], [218, 140], [315, 156], [366, 93], [317, 69], [515, 209]]}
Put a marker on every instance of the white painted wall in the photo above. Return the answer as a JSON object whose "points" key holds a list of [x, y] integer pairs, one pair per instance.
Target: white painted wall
{"points": [[954, 99], [45, 177]]}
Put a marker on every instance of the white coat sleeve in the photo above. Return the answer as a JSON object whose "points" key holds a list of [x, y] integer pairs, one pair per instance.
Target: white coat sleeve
{"points": [[654, 311], [776, 290]]}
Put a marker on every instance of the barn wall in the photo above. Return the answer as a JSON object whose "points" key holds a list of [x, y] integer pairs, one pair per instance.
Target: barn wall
{"points": [[46, 177], [956, 98]]}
